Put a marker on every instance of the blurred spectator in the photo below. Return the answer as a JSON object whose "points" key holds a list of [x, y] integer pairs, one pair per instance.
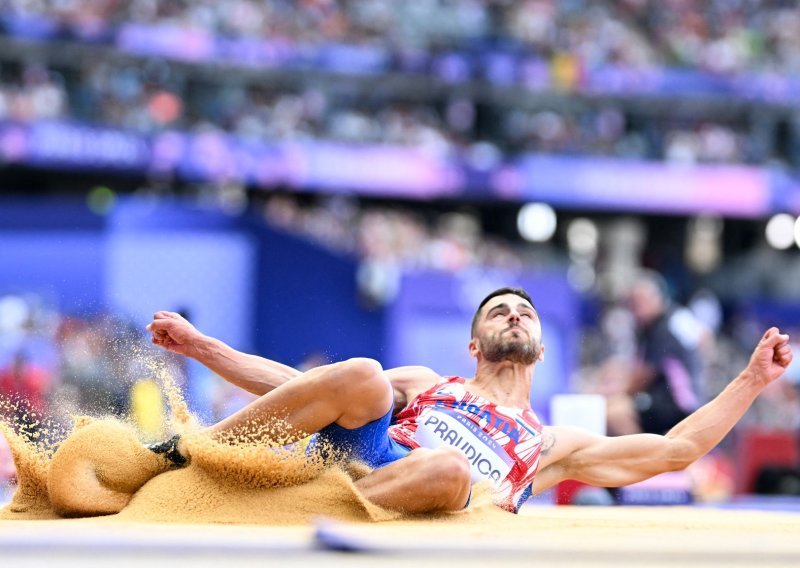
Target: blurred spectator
{"points": [[35, 94], [662, 384], [148, 410]]}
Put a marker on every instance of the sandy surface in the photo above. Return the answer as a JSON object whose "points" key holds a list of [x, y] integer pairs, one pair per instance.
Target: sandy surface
{"points": [[568, 536]]}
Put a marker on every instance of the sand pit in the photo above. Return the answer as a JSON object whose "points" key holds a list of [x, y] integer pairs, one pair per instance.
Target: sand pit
{"points": [[564, 536]]}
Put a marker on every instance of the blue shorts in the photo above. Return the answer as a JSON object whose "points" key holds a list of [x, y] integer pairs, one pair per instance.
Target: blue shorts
{"points": [[369, 443]]}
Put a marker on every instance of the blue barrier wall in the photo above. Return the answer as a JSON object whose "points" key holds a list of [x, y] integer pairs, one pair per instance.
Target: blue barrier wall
{"points": [[307, 302], [54, 249], [255, 287], [175, 257]]}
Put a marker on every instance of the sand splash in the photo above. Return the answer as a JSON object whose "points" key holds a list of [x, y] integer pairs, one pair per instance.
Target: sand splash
{"points": [[31, 439], [100, 467], [31, 499]]}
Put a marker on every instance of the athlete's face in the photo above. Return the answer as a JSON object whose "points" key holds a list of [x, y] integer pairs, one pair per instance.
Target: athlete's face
{"points": [[508, 329]]}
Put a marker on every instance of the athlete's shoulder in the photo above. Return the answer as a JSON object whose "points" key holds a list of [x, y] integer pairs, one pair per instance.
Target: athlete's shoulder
{"points": [[453, 379], [529, 416], [408, 382]]}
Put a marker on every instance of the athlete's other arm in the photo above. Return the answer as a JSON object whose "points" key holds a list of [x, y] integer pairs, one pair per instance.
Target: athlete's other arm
{"points": [[255, 374], [571, 453]]}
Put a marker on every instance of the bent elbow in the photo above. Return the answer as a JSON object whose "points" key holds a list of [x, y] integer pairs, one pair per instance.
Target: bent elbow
{"points": [[681, 454]]}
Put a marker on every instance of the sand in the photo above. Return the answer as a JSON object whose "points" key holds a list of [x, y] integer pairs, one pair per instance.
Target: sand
{"points": [[100, 467], [30, 500]]}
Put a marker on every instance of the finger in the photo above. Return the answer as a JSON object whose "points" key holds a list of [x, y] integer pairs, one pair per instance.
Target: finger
{"points": [[769, 334], [779, 342], [783, 353], [784, 361], [773, 338], [159, 326]]}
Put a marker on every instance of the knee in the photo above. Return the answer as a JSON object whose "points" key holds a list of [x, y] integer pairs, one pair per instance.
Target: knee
{"points": [[362, 368], [364, 375], [449, 472], [363, 390], [452, 467]]}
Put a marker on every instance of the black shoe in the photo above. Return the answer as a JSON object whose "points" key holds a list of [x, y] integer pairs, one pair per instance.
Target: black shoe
{"points": [[169, 449]]}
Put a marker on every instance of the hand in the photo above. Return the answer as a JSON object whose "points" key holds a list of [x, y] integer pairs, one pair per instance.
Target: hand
{"points": [[771, 357], [174, 333]]}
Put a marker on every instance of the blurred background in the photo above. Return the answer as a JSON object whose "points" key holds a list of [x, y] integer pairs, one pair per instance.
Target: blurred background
{"points": [[322, 179]]}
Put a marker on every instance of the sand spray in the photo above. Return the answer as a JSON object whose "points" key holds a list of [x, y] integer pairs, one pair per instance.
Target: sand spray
{"points": [[99, 466]]}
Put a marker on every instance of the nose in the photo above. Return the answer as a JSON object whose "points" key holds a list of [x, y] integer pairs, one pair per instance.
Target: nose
{"points": [[513, 316]]}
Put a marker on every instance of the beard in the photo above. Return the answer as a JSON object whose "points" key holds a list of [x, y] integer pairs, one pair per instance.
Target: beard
{"points": [[496, 349]]}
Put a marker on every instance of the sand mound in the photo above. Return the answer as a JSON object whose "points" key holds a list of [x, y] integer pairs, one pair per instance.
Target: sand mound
{"points": [[101, 468], [98, 468], [193, 495]]}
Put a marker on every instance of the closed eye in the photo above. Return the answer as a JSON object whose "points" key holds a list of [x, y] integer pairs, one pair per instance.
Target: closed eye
{"points": [[498, 311]]}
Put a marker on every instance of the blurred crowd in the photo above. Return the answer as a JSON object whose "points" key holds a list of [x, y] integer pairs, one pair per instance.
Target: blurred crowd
{"points": [[720, 36], [154, 97], [154, 94]]}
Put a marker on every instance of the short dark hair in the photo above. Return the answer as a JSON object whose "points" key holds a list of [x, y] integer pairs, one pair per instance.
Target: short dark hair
{"points": [[499, 292]]}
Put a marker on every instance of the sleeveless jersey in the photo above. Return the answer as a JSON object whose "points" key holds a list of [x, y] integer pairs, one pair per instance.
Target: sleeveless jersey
{"points": [[502, 443]]}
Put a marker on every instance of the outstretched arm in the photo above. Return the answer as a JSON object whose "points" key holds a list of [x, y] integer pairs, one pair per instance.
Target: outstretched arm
{"points": [[249, 372], [570, 453], [258, 375]]}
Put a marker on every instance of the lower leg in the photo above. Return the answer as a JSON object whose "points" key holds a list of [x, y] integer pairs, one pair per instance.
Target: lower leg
{"points": [[424, 481]]}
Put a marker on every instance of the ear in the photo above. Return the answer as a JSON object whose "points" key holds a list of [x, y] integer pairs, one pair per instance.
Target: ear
{"points": [[541, 354], [474, 347]]}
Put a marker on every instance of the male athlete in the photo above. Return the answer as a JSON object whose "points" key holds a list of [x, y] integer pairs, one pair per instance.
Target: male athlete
{"points": [[430, 437]]}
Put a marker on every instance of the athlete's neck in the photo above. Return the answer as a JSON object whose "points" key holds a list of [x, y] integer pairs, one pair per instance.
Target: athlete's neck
{"points": [[504, 383]]}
